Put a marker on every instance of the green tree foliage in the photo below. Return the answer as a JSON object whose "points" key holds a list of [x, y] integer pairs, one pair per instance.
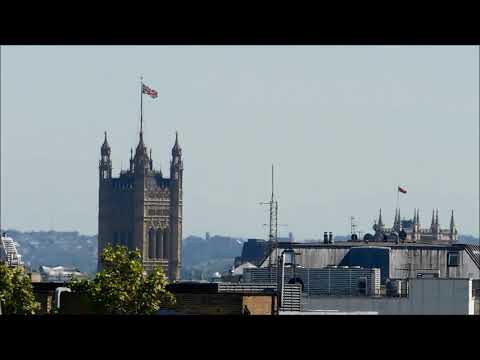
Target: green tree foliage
{"points": [[122, 287], [16, 292]]}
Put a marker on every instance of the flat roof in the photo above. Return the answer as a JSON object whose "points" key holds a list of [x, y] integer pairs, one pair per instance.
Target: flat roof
{"points": [[348, 245], [222, 287]]}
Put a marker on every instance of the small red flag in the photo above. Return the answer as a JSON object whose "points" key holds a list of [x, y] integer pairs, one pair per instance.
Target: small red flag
{"points": [[148, 91], [402, 190]]}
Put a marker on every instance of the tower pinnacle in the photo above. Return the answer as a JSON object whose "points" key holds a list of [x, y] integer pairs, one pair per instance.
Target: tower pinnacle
{"points": [[452, 222], [105, 150], [105, 165], [176, 150], [380, 222]]}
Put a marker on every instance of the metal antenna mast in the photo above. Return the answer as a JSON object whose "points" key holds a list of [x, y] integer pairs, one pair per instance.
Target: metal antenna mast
{"points": [[353, 225], [273, 224]]}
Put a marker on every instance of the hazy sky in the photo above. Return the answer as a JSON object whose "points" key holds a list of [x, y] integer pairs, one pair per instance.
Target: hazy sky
{"points": [[343, 126]]}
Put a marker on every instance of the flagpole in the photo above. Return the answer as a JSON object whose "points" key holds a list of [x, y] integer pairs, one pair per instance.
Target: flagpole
{"points": [[398, 195], [141, 104]]}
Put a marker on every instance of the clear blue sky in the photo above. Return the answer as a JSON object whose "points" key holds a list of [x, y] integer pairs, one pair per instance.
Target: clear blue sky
{"points": [[343, 126]]}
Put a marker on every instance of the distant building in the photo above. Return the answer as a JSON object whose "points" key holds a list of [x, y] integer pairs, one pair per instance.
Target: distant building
{"points": [[142, 209], [59, 274], [8, 252], [413, 232]]}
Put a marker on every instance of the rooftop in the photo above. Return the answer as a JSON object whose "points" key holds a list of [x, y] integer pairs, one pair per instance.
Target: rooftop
{"points": [[350, 244], [215, 288]]}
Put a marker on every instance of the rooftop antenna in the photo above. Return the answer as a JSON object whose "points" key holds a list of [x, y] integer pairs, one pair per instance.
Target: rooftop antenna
{"points": [[353, 225], [273, 225]]}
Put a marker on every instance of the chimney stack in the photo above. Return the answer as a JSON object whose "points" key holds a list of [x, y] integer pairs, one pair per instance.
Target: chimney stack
{"points": [[330, 237]]}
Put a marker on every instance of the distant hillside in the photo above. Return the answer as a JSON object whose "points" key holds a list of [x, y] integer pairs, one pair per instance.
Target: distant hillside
{"points": [[53, 248], [202, 257], [468, 239]]}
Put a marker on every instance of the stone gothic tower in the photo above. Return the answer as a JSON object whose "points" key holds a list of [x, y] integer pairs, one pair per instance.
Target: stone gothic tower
{"points": [[141, 209]]}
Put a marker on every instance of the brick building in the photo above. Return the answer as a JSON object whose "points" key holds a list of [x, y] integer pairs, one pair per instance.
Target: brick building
{"points": [[196, 298]]}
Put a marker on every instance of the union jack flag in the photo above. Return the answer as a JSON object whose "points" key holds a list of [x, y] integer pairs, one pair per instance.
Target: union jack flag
{"points": [[148, 91]]}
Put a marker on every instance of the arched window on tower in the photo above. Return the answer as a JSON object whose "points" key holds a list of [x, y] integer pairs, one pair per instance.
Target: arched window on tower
{"points": [[151, 243], [166, 245], [159, 247]]}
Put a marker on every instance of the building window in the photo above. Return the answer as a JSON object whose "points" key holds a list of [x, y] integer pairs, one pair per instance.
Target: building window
{"points": [[452, 258], [166, 239], [159, 246], [151, 243]]}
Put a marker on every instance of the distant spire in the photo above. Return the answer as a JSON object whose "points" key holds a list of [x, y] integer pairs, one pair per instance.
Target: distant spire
{"points": [[105, 162], [380, 222], [452, 222], [395, 219], [436, 219], [418, 217], [105, 150], [176, 150], [396, 226], [433, 219]]}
